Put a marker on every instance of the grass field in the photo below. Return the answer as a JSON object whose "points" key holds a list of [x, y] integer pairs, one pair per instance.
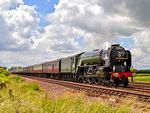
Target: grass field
{"points": [[141, 79], [29, 98], [143, 74]]}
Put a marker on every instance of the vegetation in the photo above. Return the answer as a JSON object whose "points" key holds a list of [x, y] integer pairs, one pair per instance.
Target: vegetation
{"points": [[143, 71], [134, 70], [12, 68], [140, 71], [28, 97], [4, 74], [143, 74], [3, 71], [141, 79]]}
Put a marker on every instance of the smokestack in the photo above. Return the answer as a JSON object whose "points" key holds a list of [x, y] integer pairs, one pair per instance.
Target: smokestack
{"points": [[115, 45]]}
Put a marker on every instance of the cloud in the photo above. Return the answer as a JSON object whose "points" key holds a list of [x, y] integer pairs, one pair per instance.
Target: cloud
{"points": [[6, 4], [141, 49], [57, 38], [17, 26], [99, 22], [91, 17], [105, 21], [137, 10]]}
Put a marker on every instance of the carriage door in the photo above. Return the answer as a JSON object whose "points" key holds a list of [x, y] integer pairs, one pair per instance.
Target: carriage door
{"points": [[73, 64], [52, 67]]}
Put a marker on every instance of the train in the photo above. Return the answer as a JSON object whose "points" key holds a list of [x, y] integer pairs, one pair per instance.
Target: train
{"points": [[111, 66]]}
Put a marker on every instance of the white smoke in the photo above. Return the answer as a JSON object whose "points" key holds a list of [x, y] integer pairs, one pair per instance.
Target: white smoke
{"points": [[107, 45]]}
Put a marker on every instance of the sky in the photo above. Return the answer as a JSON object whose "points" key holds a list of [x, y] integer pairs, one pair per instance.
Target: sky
{"points": [[36, 31]]}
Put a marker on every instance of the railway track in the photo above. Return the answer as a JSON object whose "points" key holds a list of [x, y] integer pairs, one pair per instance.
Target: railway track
{"points": [[140, 85], [130, 88], [94, 90]]}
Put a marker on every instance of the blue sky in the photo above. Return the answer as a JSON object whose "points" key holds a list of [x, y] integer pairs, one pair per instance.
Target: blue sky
{"points": [[43, 7], [127, 43], [34, 31]]}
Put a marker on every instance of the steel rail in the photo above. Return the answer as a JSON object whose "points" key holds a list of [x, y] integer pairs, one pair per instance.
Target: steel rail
{"points": [[140, 83]]}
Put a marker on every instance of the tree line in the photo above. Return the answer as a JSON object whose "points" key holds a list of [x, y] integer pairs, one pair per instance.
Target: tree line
{"points": [[140, 71], [14, 67]]}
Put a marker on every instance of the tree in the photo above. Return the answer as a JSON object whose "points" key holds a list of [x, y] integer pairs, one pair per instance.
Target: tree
{"points": [[12, 68], [134, 70], [19, 67], [4, 68]]}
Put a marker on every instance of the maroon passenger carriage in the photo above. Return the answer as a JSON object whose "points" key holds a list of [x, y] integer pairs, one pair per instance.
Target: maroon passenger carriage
{"points": [[51, 69]]}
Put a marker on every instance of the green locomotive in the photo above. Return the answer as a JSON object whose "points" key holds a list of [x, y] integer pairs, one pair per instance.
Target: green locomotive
{"points": [[111, 66]]}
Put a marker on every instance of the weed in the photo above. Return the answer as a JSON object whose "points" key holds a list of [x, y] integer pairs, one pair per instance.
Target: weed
{"points": [[18, 79], [32, 86]]}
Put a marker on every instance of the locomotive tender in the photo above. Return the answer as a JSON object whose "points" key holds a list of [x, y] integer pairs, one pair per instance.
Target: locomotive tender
{"points": [[111, 66]]}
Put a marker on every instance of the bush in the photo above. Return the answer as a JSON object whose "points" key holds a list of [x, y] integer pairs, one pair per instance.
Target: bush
{"points": [[2, 75], [33, 86], [4, 71], [134, 70], [4, 79]]}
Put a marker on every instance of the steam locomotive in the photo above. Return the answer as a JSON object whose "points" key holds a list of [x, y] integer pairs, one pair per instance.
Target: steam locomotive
{"points": [[107, 67]]}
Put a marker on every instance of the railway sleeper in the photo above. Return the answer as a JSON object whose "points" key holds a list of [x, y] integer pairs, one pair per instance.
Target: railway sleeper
{"points": [[140, 98], [120, 94], [96, 92], [115, 93], [145, 99]]}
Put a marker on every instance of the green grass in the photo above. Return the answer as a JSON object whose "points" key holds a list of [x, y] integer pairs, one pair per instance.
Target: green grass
{"points": [[29, 98], [143, 74], [141, 79], [4, 79], [18, 79]]}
